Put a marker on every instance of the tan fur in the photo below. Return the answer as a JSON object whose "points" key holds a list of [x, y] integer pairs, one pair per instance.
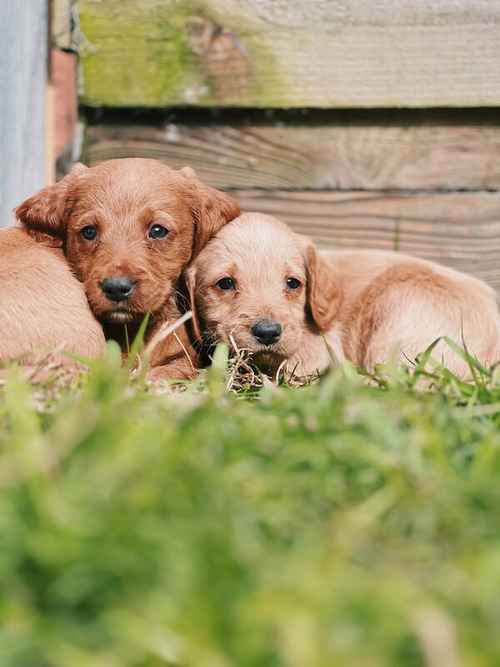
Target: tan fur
{"points": [[122, 199], [369, 306], [260, 253], [43, 307]]}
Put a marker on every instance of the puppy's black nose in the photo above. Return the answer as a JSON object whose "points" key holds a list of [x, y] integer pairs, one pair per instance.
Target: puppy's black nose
{"points": [[266, 332], [117, 288]]}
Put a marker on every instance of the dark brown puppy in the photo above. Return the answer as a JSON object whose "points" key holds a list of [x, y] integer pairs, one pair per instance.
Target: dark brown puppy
{"points": [[42, 305], [129, 228]]}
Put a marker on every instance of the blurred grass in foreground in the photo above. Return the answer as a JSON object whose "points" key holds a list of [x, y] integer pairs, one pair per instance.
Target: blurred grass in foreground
{"points": [[336, 524]]}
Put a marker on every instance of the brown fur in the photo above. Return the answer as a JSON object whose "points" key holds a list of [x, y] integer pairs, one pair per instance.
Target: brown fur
{"points": [[43, 306], [122, 199], [369, 306]]}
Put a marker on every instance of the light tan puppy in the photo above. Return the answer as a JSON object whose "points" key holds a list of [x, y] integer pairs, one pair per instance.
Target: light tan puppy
{"points": [[43, 306], [271, 292]]}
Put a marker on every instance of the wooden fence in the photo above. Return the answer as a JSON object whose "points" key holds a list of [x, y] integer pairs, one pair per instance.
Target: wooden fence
{"points": [[362, 124]]}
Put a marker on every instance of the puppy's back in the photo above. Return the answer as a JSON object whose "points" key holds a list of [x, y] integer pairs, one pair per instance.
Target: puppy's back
{"points": [[414, 302], [43, 307], [358, 268]]}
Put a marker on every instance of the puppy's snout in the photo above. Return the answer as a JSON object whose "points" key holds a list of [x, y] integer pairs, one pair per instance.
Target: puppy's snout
{"points": [[267, 332], [117, 288]]}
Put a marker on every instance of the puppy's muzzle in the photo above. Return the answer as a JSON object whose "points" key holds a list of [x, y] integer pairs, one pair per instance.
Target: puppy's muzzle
{"points": [[117, 288], [267, 332]]}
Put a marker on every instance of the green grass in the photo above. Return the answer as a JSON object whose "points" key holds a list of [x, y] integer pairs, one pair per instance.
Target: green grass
{"points": [[335, 524]]}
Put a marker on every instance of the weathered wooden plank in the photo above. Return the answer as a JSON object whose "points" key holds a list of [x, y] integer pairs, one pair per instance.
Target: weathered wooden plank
{"points": [[62, 28], [412, 150], [460, 229], [23, 78], [270, 53]]}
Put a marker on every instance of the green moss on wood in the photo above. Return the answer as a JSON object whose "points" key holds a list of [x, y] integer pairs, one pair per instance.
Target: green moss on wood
{"points": [[132, 56], [141, 53]]}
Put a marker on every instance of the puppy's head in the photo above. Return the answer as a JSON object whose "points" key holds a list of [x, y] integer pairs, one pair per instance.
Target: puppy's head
{"points": [[128, 228], [261, 286]]}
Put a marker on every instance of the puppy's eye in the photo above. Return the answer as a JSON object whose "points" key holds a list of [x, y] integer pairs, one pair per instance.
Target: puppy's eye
{"points": [[157, 232], [293, 283], [226, 283], [89, 232]]}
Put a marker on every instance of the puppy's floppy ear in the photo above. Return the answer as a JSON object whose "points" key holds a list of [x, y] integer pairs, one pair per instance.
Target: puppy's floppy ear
{"points": [[190, 280], [211, 208], [43, 215], [324, 294]]}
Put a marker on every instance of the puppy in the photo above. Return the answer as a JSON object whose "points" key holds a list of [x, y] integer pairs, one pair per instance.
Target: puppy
{"points": [[271, 292], [128, 229], [43, 307]]}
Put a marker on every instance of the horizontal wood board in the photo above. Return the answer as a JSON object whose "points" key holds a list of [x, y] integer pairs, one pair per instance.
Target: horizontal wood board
{"points": [[270, 53], [432, 151]]}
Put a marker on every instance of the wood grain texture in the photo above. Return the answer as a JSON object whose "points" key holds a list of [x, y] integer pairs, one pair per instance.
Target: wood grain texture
{"points": [[461, 230], [420, 152], [23, 78], [271, 53]]}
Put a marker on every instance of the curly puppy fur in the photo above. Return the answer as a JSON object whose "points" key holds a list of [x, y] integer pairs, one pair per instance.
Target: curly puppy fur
{"points": [[370, 307], [43, 305], [146, 222]]}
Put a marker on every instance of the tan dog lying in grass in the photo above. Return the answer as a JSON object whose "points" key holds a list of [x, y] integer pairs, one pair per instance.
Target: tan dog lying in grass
{"points": [[261, 287], [43, 307]]}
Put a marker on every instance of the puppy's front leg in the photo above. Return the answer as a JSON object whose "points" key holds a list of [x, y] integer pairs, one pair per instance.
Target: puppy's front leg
{"points": [[180, 369], [173, 358]]}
